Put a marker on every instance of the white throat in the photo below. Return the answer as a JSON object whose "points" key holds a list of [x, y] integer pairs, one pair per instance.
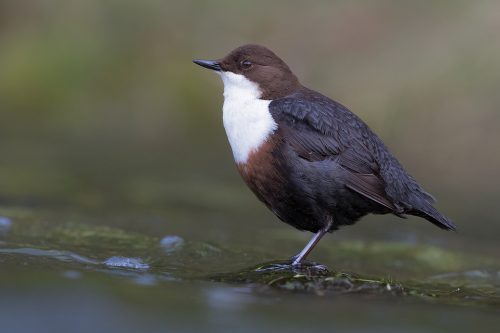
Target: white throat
{"points": [[246, 117]]}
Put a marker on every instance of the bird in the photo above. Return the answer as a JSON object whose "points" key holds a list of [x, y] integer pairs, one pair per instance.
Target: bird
{"points": [[315, 164]]}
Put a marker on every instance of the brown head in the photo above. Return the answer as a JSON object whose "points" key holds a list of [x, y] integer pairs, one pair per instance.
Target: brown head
{"points": [[259, 65]]}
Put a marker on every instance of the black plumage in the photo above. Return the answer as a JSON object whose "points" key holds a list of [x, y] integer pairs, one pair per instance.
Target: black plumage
{"points": [[339, 148]]}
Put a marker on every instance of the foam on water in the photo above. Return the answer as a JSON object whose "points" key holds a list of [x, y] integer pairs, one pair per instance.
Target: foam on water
{"points": [[125, 262], [5, 224], [171, 243]]}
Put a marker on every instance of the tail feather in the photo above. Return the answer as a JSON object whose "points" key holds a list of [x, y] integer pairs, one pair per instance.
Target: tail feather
{"points": [[431, 214]]}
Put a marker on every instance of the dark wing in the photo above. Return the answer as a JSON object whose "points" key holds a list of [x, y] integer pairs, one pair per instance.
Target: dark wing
{"points": [[318, 128], [314, 133]]}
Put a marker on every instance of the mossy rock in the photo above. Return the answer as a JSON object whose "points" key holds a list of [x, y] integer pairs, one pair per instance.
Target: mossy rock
{"points": [[317, 279]]}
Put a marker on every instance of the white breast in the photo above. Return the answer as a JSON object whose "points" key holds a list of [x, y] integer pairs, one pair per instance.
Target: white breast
{"points": [[247, 120]]}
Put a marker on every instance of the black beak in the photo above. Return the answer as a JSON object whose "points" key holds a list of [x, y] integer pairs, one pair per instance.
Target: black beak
{"points": [[210, 64]]}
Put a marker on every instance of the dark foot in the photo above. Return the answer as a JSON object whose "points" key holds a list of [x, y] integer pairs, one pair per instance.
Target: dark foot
{"points": [[304, 267]]}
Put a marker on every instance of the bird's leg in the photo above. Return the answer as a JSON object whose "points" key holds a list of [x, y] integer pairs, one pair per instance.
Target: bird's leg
{"points": [[312, 243]]}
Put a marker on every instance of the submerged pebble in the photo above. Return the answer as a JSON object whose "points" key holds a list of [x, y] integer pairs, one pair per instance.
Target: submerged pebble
{"points": [[124, 262], [171, 243]]}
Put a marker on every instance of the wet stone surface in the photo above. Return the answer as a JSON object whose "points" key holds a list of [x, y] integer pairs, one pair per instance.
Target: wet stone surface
{"points": [[317, 279], [93, 255]]}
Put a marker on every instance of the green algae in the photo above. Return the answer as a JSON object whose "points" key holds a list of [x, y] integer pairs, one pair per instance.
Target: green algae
{"points": [[317, 279], [429, 273]]}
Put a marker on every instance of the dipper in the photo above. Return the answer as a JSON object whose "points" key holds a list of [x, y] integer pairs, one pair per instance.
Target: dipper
{"points": [[309, 159]]}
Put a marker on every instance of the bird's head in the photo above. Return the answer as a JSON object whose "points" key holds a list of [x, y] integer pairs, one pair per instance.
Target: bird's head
{"points": [[256, 70]]}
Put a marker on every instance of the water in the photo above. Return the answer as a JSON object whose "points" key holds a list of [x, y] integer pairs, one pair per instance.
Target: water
{"points": [[156, 272], [171, 243], [131, 263]]}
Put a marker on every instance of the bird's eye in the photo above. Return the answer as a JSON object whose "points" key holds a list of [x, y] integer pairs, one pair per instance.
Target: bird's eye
{"points": [[246, 64]]}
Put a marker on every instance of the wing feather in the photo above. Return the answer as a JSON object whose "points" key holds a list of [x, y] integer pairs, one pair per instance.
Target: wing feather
{"points": [[319, 128]]}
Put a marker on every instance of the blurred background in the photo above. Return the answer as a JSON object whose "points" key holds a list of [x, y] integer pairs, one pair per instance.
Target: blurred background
{"points": [[101, 110], [100, 103]]}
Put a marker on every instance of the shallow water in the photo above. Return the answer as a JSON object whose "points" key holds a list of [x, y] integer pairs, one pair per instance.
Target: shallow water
{"points": [[159, 271]]}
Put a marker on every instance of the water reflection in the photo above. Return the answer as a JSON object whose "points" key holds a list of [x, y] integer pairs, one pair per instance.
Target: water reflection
{"points": [[229, 298], [52, 254], [72, 274]]}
